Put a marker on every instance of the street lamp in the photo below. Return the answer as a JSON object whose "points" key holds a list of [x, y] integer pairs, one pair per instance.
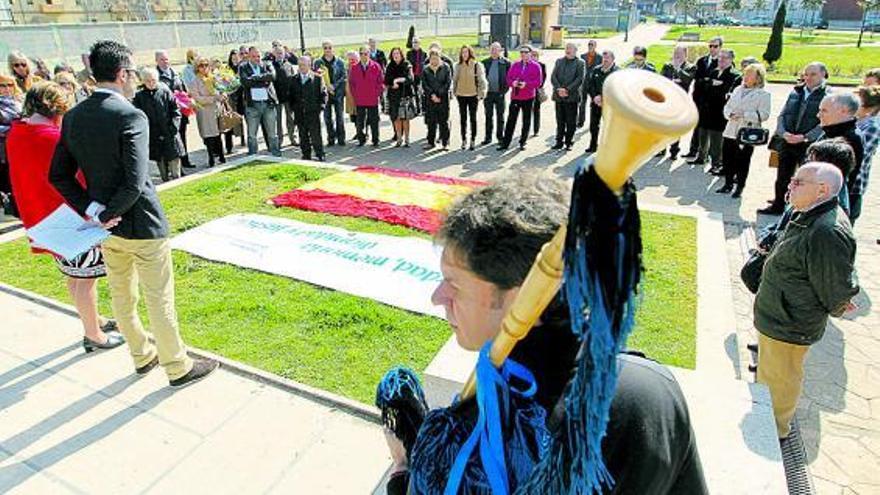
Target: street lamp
{"points": [[302, 38]]}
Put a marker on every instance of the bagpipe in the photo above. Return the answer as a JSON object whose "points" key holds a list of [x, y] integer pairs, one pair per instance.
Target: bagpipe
{"points": [[593, 264]]}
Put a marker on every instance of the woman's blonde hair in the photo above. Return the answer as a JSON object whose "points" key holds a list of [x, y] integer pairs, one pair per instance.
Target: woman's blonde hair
{"points": [[17, 56], [48, 99], [65, 77], [760, 73], [191, 56]]}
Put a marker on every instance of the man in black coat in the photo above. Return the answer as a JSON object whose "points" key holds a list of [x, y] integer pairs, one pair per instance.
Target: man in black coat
{"points": [[107, 139], [592, 60], [163, 114], [567, 80], [496, 67], [705, 65], [307, 98], [171, 78], [594, 90], [417, 59], [376, 54], [718, 86], [837, 117], [681, 72], [436, 83], [797, 127], [285, 67]]}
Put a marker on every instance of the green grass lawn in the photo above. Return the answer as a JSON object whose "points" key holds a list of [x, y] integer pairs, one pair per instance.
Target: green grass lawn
{"points": [[846, 64], [757, 35], [333, 340]]}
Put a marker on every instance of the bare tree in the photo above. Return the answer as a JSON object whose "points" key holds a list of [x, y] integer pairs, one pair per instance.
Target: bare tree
{"points": [[867, 6]]}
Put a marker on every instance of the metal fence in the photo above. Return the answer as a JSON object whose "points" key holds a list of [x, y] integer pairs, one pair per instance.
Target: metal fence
{"points": [[67, 41]]}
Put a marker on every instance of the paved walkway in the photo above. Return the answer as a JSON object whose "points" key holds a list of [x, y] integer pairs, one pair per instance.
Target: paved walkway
{"points": [[62, 421], [71, 423]]}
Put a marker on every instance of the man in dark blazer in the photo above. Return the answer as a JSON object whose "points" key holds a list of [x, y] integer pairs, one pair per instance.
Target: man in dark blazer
{"points": [[172, 79], [705, 65], [260, 100], [107, 139], [798, 126], [592, 60], [496, 67], [681, 72], [594, 91], [376, 54], [307, 98], [567, 80], [718, 86]]}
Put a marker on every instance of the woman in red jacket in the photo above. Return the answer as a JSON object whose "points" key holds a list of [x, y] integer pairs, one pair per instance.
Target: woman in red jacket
{"points": [[30, 146]]}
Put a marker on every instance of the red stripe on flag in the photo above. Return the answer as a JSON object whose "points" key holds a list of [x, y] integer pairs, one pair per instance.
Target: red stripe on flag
{"points": [[417, 176], [340, 204]]}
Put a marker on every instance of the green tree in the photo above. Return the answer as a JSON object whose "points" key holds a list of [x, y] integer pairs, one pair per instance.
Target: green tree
{"points": [[686, 7], [867, 6], [759, 5], [410, 36], [731, 5], [774, 44], [811, 6]]}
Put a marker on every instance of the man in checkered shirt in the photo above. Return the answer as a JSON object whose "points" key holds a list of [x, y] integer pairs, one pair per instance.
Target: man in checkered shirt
{"points": [[869, 127]]}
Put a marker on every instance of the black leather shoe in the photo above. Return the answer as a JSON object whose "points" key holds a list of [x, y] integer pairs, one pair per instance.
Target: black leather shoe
{"points": [[752, 347], [591, 149], [522, 146], [716, 171], [557, 146], [737, 193], [113, 340], [753, 368], [485, 142], [726, 188], [689, 156], [319, 158], [143, 370], [502, 147], [330, 144], [567, 147], [110, 326], [201, 368], [771, 210]]}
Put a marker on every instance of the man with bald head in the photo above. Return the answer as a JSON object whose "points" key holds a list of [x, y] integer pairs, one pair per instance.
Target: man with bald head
{"points": [[798, 126], [808, 276]]}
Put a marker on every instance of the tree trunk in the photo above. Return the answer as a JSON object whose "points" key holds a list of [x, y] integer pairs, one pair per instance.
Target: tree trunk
{"points": [[862, 28]]}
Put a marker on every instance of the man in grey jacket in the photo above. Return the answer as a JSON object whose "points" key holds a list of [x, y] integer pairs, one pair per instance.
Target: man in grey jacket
{"points": [[567, 79], [798, 127], [808, 276]]}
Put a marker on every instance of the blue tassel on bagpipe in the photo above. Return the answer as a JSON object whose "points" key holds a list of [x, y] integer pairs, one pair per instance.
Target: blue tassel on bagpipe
{"points": [[401, 399], [492, 453], [603, 268]]}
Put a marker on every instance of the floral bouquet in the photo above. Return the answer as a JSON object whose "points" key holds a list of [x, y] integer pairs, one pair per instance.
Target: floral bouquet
{"points": [[226, 80], [186, 104]]}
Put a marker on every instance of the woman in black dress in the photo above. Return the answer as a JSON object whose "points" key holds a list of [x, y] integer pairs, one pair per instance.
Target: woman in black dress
{"points": [[399, 82], [236, 99]]}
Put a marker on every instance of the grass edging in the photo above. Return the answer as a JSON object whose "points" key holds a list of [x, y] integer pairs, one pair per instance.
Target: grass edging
{"points": [[348, 406]]}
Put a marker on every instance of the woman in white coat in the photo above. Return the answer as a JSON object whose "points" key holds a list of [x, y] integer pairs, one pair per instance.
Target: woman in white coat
{"points": [[747, 107]]}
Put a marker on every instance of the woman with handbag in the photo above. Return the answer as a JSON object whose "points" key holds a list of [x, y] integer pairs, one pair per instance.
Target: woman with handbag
{"points": [[163, 115], [540, 95], [401, 97], [208, 112], [745, 110], [469, 85]]}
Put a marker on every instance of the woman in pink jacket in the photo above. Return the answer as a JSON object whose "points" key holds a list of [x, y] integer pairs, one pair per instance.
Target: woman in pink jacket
{"points": [[524, 79], [366, 80]]}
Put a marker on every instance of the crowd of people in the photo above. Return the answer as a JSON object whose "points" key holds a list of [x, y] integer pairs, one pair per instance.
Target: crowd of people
{"points": [[82, 138]]}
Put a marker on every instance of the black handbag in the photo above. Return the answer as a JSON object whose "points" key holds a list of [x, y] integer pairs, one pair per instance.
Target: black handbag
{"points": [[753, 136], [753, 269]]}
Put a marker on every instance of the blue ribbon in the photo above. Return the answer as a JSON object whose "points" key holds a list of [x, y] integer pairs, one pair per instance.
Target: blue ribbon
{"points": [[491, 383]]}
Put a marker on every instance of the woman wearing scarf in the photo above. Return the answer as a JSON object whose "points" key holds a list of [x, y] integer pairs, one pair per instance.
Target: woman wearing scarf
{"points": [[399, 84], [31, 145], [158, 104], [208, 99]]}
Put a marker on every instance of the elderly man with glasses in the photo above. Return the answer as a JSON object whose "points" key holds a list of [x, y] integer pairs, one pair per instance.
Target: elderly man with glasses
{"points": [[808, 276]]}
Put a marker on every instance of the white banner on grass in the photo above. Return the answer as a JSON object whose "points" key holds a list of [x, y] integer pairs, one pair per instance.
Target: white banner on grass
{"points": [[400, 271]]}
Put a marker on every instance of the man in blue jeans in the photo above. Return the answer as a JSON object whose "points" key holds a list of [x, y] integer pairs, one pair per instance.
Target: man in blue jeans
{"points": [[260, 100], [334, 73]]}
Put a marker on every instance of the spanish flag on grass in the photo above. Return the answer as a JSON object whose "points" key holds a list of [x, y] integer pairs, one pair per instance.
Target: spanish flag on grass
{"points": [[394, 196]]}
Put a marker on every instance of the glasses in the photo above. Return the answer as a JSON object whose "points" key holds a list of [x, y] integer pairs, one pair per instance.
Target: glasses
{"points": [[203, 65], [20, 64], [713, 46], [799, 182], [7, 85]]}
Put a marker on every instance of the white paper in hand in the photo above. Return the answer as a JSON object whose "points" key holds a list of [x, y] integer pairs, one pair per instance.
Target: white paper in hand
{"points": [[66, 234]]}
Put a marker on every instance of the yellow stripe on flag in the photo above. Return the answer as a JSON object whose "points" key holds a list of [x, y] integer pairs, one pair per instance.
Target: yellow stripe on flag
{"points": [[397, 190]]}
